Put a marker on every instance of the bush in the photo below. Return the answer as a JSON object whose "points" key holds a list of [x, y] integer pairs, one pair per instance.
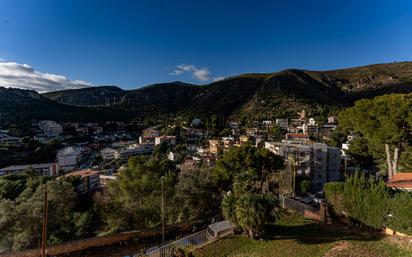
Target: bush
{"points": [[371, 203]]}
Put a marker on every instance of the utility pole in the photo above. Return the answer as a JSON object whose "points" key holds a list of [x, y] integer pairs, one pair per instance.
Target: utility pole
{"points": [[163, 214], [44, 229]]}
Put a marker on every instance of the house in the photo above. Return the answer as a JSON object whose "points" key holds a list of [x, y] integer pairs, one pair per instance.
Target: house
{"points": [[214, 146], [90, 181], [228, 141], [171, 156], [190, 165], [282, 123], [50, 128], [44, 169], [251, 132], [165, 139], [301, 137], [109, 153], [402, 181], [332, 120], [148, 135], [319, 162], [267, 123], [310, 128], [243, 139]]}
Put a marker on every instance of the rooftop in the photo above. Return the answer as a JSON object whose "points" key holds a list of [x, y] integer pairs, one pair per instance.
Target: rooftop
{"points": [[82, 173], [401, 180]]}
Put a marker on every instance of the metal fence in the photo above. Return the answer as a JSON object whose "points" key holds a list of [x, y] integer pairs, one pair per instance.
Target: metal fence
{"points": [[212, 232], [292, 204], [185, 242]]}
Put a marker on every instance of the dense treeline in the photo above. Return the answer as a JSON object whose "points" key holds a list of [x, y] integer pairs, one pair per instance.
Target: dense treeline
{"points": [[21, 212], [371, 203]]}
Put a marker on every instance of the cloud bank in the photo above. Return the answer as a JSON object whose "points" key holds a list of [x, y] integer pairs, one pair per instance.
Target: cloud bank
{"points": [[23, 76], [199, 74]]}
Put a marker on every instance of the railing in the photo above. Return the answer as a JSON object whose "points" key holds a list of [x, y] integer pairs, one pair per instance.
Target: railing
{"points": [[212, 233], [185, 242], [291, 204]]}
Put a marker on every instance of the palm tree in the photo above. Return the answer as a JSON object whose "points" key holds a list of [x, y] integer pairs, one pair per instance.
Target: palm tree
{"points": [[251, 214]]}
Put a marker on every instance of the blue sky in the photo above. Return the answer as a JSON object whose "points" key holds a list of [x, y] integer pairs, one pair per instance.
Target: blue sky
{"points": [[135, 43]]}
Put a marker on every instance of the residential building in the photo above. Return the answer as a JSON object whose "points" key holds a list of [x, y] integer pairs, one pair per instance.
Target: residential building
{"points": [[171, 156], [251, 132], [310, 128], [165, 139], [50, 128], [9, 140], [300, 137], [332, 120], [266, 123], [214, 146], [135, 149], [90, 181], [69, 157], [190, 165], [109, 153], [282, 123], [402, 181], [243, 139], [319, 162], [44, 169], [148, 136], [228, 141]]}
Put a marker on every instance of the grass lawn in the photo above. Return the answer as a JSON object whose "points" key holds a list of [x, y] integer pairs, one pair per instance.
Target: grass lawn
{"points": [[292, 235]]}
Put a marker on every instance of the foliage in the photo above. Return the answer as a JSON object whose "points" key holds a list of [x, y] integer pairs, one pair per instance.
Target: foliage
{"points": [[245, 170], [22, 218], [196, 197], [384, 120], [256, 163], [305, 186], [370, 203]]}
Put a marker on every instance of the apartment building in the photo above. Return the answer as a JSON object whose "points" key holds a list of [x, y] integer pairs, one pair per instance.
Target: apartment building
{"points": [[44, 169], [319, 162]]}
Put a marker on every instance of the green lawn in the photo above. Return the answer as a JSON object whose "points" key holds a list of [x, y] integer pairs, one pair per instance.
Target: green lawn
{"points": [[293, 236]]}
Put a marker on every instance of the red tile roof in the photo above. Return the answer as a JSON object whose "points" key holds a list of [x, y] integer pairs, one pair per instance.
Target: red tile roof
{"points": [[401, 180]]}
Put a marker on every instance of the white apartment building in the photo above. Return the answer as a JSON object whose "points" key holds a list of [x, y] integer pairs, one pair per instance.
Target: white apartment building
{"points": [[168, 139], [135, 149], [282, 123], [319, 162], [44, 169], [109, 153], [50, 128], [69, 157]]}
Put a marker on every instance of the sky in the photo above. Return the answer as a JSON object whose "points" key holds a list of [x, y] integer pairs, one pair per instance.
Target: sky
{"points": [[52, 45]]}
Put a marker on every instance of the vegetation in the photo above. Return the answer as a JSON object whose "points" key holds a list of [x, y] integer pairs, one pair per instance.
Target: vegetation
{"points": [[21, 212], [371, 203], [246, 171], [382, 128]]}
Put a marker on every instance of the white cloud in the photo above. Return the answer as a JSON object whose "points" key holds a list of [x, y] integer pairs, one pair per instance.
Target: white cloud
{"points": [[218, 78], [200, 74], [23, 76]]}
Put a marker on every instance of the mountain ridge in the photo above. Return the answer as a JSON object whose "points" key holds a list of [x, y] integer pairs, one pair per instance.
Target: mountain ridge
{"points": [[251, 96]]}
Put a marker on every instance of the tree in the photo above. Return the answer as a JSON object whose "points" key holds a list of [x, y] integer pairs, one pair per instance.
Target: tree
{"points": [[196, 196], [259, 163], [384, 123], [249, 211], [21, 225], [136, 194]]}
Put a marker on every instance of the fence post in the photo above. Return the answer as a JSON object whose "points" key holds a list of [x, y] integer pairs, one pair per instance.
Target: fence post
{"points": [[322, 211]]}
